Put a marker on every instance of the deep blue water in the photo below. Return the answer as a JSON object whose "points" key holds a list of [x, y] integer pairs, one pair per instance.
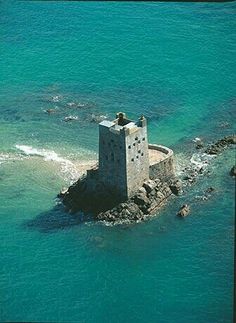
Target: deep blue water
{"points": [[173, 62]]}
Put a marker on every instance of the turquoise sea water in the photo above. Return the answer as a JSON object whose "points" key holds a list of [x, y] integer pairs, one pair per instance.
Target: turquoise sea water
{"points": [[175, 63]]}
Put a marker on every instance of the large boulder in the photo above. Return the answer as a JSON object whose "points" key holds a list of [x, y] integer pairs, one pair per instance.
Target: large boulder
{"points": [[160, 196], [176, 187], [141, 199], [149, 185], [184, 211]]}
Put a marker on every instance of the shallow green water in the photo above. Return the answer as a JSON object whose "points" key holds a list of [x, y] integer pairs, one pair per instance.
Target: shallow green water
{"points": [[174, 63]]}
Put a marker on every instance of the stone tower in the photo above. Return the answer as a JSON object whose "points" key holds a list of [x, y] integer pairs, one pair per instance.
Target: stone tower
{"points": [[123, 155]]}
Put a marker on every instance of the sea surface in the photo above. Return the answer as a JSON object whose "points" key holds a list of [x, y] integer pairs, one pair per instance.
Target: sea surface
{"points": [[173, 62]]}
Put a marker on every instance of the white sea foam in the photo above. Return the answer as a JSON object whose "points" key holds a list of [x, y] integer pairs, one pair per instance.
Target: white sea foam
{"points": [[197, 139], [200, 160], [68, 169], [47, 154], [56, 98], [196, 162]]}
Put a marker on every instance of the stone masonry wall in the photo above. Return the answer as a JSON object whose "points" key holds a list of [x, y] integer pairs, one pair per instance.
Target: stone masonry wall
{"points": [[164, 169], [112, 160], [137, 161]]}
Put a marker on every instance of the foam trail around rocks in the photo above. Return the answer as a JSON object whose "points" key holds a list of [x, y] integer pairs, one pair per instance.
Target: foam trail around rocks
{"points": [[49, 155], [196, 162], [68, 169], [200, 160]]}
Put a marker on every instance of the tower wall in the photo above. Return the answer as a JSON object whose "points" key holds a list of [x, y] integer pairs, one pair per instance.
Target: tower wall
{"points": [[137, 161], [112, 160], [123, 155]]}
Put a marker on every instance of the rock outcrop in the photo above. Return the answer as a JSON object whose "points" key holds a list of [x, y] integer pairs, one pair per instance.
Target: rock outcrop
{"points": [[220, 145], [176, 186], [104, 205], [144, 203], [184, 211]]}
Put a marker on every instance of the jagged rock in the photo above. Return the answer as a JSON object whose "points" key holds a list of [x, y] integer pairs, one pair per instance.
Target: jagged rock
{"points": [[183, 211], [142, 190], [176, 187], [63, 192], [149, 185], [167, 192], [231, 139], [221, 144], [152, 207], [141, 199], [157, 181], [130, 211], [160, 196], [212, 150], [199, 144], [233, 171], [152, 194]]}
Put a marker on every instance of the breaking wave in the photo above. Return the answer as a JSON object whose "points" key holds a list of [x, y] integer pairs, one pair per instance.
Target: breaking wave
{"points": [[200, 160], [68, 169]]}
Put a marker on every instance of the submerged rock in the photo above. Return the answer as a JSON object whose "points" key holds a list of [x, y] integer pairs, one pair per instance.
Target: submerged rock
{"points": [[199, 145], [224, 124], [70, 118], [233, 171], [210, 189]]}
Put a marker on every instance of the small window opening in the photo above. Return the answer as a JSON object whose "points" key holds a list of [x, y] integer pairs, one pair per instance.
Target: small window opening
{"points": [[136, 138], [139, 151], [134, 144], [132, 159], [143, 138], [129, 147]]}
